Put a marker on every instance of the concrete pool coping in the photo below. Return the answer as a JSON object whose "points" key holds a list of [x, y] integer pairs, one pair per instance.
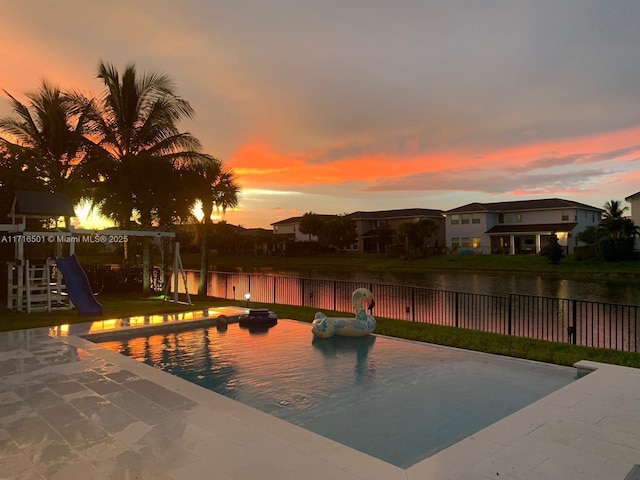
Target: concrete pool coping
{"points": [[72, 409]]}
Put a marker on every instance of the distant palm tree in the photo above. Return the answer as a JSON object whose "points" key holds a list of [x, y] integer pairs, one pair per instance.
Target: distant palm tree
{"points": [[216, 189], [615, 225], [49, 135], [614, 209]]}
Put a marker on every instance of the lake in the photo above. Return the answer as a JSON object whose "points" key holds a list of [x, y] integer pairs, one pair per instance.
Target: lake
{"points": [[610, 290]]}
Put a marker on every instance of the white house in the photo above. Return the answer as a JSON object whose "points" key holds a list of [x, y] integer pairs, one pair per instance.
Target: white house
{"points": [[518, 227], [290, 229], [634, 200]]}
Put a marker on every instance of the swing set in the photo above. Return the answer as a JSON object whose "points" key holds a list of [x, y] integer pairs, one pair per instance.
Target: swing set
{"points": [[60, 282]]}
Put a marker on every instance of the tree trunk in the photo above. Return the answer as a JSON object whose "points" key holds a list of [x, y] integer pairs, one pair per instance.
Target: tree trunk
{"points": [[146, 265], [204, 260]]}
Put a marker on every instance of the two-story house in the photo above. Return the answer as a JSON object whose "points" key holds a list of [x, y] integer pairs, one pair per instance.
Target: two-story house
{"points": [[517, 227], [378, 229], [290, 229], [634, 200]]}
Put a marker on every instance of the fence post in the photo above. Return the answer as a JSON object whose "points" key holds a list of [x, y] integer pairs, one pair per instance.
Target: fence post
{"points": [[274, 290], [413, 304], [509, 317], [457, 308], [335, 294], [572, 326]]}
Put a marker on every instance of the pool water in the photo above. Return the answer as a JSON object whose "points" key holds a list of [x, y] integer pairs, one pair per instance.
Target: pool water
{"points": [[397, 400]]}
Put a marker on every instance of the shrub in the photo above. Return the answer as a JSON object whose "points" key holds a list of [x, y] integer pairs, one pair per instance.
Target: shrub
{"points": [[585, 252], [553, 250], [616, 249]]}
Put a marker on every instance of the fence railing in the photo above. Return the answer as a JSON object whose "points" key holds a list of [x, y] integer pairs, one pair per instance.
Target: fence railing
{"points": [[581, 322]]}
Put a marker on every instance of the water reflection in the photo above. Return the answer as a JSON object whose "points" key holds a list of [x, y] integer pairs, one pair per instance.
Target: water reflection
{"points": [[589, 287], [344, 347]]}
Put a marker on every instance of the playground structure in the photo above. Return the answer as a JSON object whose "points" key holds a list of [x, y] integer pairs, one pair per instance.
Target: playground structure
{"points": [[61, 283]]}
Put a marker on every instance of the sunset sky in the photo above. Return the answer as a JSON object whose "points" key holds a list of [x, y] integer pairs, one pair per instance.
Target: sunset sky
{"points": [[337, 106]]}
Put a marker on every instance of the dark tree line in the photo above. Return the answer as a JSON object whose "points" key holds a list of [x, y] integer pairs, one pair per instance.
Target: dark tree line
{"points": [[340, 232]]}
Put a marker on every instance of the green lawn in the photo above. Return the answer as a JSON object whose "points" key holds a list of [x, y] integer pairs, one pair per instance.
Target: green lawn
{"points": [[371, 262], [568, 267]]}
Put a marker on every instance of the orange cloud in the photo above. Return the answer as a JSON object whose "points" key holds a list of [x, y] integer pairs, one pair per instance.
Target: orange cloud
{"points": [[262, 163]]}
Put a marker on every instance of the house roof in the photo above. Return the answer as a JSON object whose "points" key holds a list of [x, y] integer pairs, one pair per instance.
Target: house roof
{"points": [[41, 204], [632, 197], [521, 205], [296, 220], [394, 214], [533, 228]]}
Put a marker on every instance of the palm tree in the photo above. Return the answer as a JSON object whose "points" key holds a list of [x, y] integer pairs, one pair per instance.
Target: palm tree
{"points": [[139, 148], [614, 224], [15, 174], [614, 209], [216, 189], [135, 122], [49, 134]]}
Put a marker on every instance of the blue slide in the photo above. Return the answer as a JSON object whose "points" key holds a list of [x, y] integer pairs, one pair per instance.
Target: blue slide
{"points": [[78, 286]]}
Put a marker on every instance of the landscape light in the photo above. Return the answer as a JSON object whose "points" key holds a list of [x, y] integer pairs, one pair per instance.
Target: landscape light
{"points": [[247, 297]]}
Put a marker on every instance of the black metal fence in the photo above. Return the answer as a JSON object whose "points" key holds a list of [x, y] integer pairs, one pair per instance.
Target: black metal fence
{"points": [[581, 322]]}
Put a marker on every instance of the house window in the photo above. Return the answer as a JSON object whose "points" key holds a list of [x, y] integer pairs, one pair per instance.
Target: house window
{"points": [[475, 218], [466, 242], [510, 218], [455, 242], [476, 242], [466, 218], [565, 215], [455, 219]]}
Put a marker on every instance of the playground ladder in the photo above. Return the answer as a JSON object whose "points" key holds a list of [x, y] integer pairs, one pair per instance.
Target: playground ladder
{"points": [[33, 289]]}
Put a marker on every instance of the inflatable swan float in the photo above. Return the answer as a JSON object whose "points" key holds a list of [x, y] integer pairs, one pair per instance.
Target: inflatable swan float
{"points": [[363, 323]]}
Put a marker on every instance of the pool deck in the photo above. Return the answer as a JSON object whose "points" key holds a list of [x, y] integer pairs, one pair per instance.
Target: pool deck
{"points": [[70, 409]]}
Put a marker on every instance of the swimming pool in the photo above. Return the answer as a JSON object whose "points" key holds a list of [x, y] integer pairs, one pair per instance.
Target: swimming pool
{"points": [[397, 400]]}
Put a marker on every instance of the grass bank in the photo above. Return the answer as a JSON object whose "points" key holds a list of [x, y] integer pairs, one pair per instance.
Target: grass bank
{"points": [[116, 306], [568, 267]]}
